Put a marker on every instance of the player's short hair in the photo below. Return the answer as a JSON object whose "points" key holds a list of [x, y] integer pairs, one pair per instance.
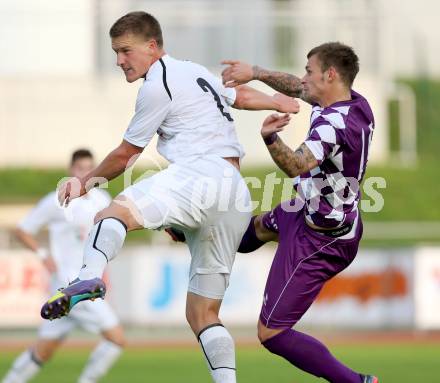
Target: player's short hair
{"points": [[340, 56], [140, 24], [80, 154]]}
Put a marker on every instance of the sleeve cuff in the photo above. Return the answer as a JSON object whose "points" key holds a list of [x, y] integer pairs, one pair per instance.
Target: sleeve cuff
{"points": [[317, 150], [230, 95], [135, 142]]}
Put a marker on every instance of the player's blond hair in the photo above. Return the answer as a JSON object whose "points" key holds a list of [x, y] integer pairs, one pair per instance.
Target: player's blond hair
{"points": [[139, 23]]}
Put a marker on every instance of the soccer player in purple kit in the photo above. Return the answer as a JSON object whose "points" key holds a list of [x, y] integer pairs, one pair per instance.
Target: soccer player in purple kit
{"points": [[318, 233]]}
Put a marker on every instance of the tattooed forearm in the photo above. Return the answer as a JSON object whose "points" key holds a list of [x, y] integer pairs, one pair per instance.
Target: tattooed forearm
{"points": [[285, 83], [293, 163]]}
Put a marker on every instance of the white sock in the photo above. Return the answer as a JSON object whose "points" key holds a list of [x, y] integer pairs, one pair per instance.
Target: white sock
{"points": [[103, 244], [23, 368], [100, 361], [218, 346]]}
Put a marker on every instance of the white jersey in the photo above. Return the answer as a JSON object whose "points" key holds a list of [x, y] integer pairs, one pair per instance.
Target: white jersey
{"points": [[68, 229], [188, 107]]}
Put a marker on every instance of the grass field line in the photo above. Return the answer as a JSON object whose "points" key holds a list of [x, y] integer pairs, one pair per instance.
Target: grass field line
{"points": [[390, 338]]}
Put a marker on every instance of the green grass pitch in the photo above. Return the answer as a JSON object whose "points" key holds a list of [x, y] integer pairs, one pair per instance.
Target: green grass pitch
{"points": [[398, 363]]}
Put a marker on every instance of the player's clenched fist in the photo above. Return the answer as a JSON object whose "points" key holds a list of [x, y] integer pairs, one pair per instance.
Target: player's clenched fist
{"points": [[237, 73], [70, 189]]}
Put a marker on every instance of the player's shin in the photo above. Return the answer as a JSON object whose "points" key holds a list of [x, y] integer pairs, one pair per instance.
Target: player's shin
{"points": [[103, 244], [24, 368], [310, 355], [219, 350], [102, 358]]}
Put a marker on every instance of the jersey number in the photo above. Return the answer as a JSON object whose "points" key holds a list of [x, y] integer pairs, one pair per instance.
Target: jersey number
{"points": [[206, 86]]}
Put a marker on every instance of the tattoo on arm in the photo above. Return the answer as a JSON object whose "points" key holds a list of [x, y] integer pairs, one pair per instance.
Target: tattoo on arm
{"points": [[285, 83], [293, 163]]}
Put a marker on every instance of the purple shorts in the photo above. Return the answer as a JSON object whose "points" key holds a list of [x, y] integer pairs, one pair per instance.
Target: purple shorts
{"points": [[303, 262]]}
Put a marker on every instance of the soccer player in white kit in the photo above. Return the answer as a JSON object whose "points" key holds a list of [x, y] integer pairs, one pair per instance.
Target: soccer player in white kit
{"points": [[68, 230], [201, 192]]}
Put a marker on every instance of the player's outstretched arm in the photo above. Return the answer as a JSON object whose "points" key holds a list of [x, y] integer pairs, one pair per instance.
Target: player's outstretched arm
{"points": [[293, 163], [251, 99], [112, 166], [239, 72], [29, 241]]}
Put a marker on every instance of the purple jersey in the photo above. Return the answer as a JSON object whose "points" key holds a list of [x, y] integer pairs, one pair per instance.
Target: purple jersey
{"points": [[339, 138]]}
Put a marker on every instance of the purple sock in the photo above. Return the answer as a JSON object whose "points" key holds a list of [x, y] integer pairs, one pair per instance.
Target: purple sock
{"points": [[250, 242], [310, 355]]}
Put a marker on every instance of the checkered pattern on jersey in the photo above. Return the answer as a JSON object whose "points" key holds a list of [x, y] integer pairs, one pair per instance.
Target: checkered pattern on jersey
{"points": [[329, 193]]}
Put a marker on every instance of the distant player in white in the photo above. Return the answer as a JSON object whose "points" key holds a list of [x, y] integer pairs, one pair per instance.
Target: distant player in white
{"points": [[68, 230], [201, 193]]}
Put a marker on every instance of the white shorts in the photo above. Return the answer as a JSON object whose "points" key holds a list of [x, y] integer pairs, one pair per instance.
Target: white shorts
{"points": [[208, 200], [209, 285], [94, 317]]}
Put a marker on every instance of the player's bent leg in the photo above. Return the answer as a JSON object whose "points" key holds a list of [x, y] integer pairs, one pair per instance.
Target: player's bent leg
{"points": [[108, 235], [215, 341], [24, 368], [105, 354], [308, 354], [265, 333], [115, 335], [29, 363], [124, 209], [103, 244], [287, 298], [303, 351], [201, 311], [61, 303], [250, 241], [45, 348], [219, 350], [263, 232], [256, 235]]}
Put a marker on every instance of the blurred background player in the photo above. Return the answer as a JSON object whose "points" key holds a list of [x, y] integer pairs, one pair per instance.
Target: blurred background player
{"points": [[188, 108], [68, 230], [318, 233]]}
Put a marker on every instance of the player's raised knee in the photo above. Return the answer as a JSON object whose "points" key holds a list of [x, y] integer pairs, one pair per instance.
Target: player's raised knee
{"points": [[99, 216], [108, 212], [265, 333], [119, 213]]}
